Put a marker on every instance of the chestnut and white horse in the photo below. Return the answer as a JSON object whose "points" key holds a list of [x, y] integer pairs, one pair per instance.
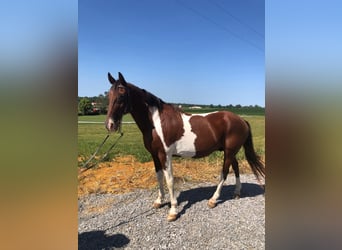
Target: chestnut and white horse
{"points": [[167, 132]]}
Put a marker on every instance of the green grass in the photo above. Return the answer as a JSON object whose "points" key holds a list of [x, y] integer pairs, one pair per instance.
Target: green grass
{"points": [[90, 136], [101, 118]]}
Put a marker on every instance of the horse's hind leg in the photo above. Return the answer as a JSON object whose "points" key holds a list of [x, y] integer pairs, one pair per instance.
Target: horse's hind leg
{"points": [[237, 190], [226, 163]]}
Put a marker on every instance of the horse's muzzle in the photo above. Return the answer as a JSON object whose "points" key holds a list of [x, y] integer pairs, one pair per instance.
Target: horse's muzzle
{"points": [[112, 125]]}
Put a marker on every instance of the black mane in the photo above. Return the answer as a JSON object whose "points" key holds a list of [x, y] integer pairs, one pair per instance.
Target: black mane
{"points": [[153, 100], [149, 98]]}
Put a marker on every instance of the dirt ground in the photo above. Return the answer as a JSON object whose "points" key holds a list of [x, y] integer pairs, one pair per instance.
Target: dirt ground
{"points": [[124, 174]]}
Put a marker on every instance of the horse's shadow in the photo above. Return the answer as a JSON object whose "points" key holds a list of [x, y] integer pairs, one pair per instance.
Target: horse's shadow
{"points": [[99, 240], [195, 195]]}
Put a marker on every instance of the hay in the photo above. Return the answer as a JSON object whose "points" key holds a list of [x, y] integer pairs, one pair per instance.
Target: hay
{"points": [[125, 174]]}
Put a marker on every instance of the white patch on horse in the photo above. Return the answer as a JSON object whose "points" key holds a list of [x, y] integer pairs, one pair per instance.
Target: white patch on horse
{"points": [[157, 125], [185, 146], [204, 114]]}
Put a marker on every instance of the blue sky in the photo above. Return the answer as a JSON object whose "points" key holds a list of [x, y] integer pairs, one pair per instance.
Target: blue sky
{"points": [[201, 52]]}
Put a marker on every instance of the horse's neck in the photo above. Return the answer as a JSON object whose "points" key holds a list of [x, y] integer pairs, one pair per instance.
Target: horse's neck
{"points": [[142, 120], [140, 114]]}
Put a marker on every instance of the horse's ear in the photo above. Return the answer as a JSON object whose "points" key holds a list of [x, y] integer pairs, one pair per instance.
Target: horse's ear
{"points": [[111, 79], [122, 79]]}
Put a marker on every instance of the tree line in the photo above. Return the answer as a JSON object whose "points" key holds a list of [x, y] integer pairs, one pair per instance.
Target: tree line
{"points": [[98, 105], [95, 105]]}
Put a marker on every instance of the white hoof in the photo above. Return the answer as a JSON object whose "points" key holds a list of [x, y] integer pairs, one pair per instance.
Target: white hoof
{"points": [[157, 205], [211, 203], [171, 217]]}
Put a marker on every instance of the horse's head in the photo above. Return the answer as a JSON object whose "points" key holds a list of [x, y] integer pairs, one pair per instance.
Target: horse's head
{"points": [[119, 103]]}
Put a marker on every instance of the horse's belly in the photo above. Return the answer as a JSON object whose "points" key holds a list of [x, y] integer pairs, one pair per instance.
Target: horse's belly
{"points": [[184, 147], [190, 151]]}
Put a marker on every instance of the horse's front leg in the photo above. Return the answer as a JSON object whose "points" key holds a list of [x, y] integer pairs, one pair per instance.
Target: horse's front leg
{"points": [[172, 216], [159, 172], [158, 202]]}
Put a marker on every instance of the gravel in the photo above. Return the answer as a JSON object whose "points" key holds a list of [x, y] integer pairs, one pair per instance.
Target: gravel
{"points": [[108, 221]]}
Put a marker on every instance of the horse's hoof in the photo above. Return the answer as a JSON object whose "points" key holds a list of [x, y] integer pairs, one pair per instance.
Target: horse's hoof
{"points": [[171, 217], [211, 204], [236, 196], [157, 205]]}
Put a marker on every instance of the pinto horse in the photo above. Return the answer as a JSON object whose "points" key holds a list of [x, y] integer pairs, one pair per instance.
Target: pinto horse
{"points": [[167, 132]]}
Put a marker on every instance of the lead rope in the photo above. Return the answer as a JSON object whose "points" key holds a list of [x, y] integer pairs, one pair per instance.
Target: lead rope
{"points": [[111, 147], [85, 165]]}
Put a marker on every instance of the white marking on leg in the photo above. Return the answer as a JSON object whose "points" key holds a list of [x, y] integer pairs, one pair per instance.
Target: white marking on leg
{"points": [[161, 193], [237, 186], [217, 193], [169, 181]]}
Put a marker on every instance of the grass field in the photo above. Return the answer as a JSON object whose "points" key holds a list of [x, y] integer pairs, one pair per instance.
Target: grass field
{"points": [[90, 136]]}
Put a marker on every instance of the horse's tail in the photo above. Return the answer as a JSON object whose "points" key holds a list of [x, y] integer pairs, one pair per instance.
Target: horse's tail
{"points": [[257, 165]]}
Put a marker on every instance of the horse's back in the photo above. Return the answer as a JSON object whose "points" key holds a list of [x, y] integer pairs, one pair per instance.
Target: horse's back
{"points": [[218, 130]]}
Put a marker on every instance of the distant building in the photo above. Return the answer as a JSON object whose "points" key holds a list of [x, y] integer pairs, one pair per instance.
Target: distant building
{"points": [[195, 107], [96, 108]]}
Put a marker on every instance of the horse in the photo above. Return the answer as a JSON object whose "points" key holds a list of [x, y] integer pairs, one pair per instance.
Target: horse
{"points": [[168, 131]]}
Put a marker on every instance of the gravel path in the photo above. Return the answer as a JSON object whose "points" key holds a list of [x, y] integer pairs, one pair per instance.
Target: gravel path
{"points": [[128, 221]]}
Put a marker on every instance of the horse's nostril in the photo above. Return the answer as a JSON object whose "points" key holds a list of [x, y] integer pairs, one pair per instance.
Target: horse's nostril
{"points": [[109, 124]]}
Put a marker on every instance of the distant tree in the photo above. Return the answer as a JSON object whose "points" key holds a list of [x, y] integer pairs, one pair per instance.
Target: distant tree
{"points": [[84, 106], [102, 102]]}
